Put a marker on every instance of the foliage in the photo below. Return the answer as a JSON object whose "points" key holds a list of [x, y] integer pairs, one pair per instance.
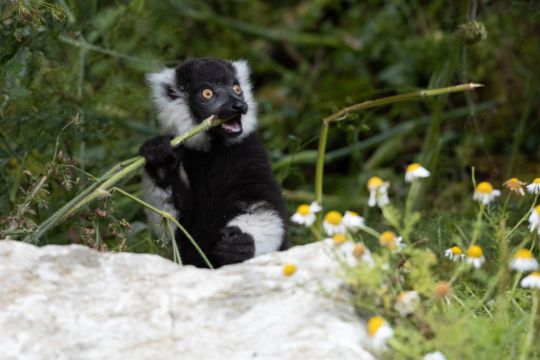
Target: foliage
{"points": [[73, 102]]}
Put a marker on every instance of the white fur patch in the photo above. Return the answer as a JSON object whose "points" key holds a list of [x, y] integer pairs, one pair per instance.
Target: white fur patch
{"points": [[249, 120], [174, 115], [158, 198], [264, 225]]}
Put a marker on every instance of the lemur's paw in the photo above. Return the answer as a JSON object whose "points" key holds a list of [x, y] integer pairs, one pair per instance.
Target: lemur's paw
{"points": [[235, 246], [158, 152]]}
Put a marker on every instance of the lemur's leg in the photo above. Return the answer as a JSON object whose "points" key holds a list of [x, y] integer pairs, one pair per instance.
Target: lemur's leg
{"points": [[162, 173], [257, 231]]}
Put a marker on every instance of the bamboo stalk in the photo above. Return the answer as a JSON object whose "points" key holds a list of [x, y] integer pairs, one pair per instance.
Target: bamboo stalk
{"points": [[117, 173]]}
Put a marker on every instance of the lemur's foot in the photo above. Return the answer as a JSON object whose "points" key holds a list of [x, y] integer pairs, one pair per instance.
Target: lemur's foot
{"points": [[159, 153], [235, 246]]}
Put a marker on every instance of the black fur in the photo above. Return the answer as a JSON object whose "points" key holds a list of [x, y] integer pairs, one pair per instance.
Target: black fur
{"points": [[224, 181]]}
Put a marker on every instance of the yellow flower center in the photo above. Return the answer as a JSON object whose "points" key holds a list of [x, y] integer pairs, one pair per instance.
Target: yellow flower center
{"points": [[359, 250], [442, 289], [456, 250], [514, 184], [524, 254], [475, 251], [374, 183], [333, 218], [536, 181], [413, 167], [484, 187], [353, 214], [535, 274], [339, 239], [513, 181], [537, 209], [388, 239], [402, 297], [289, 269], [374, 324], [303, 210]]}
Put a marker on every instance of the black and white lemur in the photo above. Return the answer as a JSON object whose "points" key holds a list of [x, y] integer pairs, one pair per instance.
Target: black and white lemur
{"points": [[218, 184]]}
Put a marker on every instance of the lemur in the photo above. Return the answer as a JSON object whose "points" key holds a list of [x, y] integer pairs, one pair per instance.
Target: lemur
{"points": [[218, 184]]}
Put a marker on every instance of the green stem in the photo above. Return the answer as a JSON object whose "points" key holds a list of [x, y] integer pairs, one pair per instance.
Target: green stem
{"points": [[169, 218], [525, 217], [319, 169], [371, 232], [108, 180], [342, 114], [532, 327], [505, 256], [478, 224]]}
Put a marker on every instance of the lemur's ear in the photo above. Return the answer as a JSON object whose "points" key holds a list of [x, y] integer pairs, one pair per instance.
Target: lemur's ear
{"points": [[163, 85], [242, 72]]}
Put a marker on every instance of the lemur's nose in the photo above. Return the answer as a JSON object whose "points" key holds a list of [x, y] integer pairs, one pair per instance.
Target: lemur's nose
{"points": [[239, 106]]}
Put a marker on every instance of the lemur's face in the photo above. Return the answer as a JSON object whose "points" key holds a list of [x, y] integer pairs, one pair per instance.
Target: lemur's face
{"points": [[199, 88], [211, 87]]}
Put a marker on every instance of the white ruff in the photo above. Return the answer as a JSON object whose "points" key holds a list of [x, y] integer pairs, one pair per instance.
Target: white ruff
{"points": [[174, 115], [158, 198], [249, 120], [264, 225]]}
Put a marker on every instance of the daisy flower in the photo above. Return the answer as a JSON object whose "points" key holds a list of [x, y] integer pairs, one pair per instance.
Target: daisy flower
{"points": [[523, 261], [515, 185], [333, 223], [360, 251], [339, 239], [532, 281], [415, 171], [289, 269], [443, 290], [534, 219], [437, 355], [485, 193], [454, 253], [407, 302], [475, 256], [378, 191], [534, 187], [305, 214], [379, 331], [353, 221], [389, 240]]}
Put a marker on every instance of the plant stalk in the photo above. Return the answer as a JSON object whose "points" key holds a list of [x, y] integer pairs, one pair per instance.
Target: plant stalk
{"points": [[109, 179], [343, 113]]}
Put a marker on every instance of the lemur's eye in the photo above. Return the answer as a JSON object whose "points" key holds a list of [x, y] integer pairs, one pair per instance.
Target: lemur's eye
{"points": [[237, 89], [207, 94]]}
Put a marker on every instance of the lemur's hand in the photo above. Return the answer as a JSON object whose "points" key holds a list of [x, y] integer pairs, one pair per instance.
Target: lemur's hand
{"points": [[235, 246], [159, 153]]}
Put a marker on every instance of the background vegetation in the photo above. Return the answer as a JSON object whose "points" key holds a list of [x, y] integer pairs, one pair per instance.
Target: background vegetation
{"points": [[73, 102]]}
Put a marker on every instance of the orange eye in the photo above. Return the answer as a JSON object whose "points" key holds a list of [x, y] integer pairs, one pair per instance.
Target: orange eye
{"points": [[237, 89], [207, 94]]}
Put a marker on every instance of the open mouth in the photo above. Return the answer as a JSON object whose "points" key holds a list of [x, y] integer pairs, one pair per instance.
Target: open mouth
{"points": [[233, 127]]}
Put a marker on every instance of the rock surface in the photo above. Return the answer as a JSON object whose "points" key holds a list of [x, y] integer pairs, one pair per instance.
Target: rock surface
{"points": [[71, 302]]}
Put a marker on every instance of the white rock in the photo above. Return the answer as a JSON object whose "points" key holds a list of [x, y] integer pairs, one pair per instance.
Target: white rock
{"points": [[71, 302]]}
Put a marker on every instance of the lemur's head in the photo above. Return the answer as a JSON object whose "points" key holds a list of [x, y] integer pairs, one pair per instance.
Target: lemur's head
{"points": [[198, 88]]}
